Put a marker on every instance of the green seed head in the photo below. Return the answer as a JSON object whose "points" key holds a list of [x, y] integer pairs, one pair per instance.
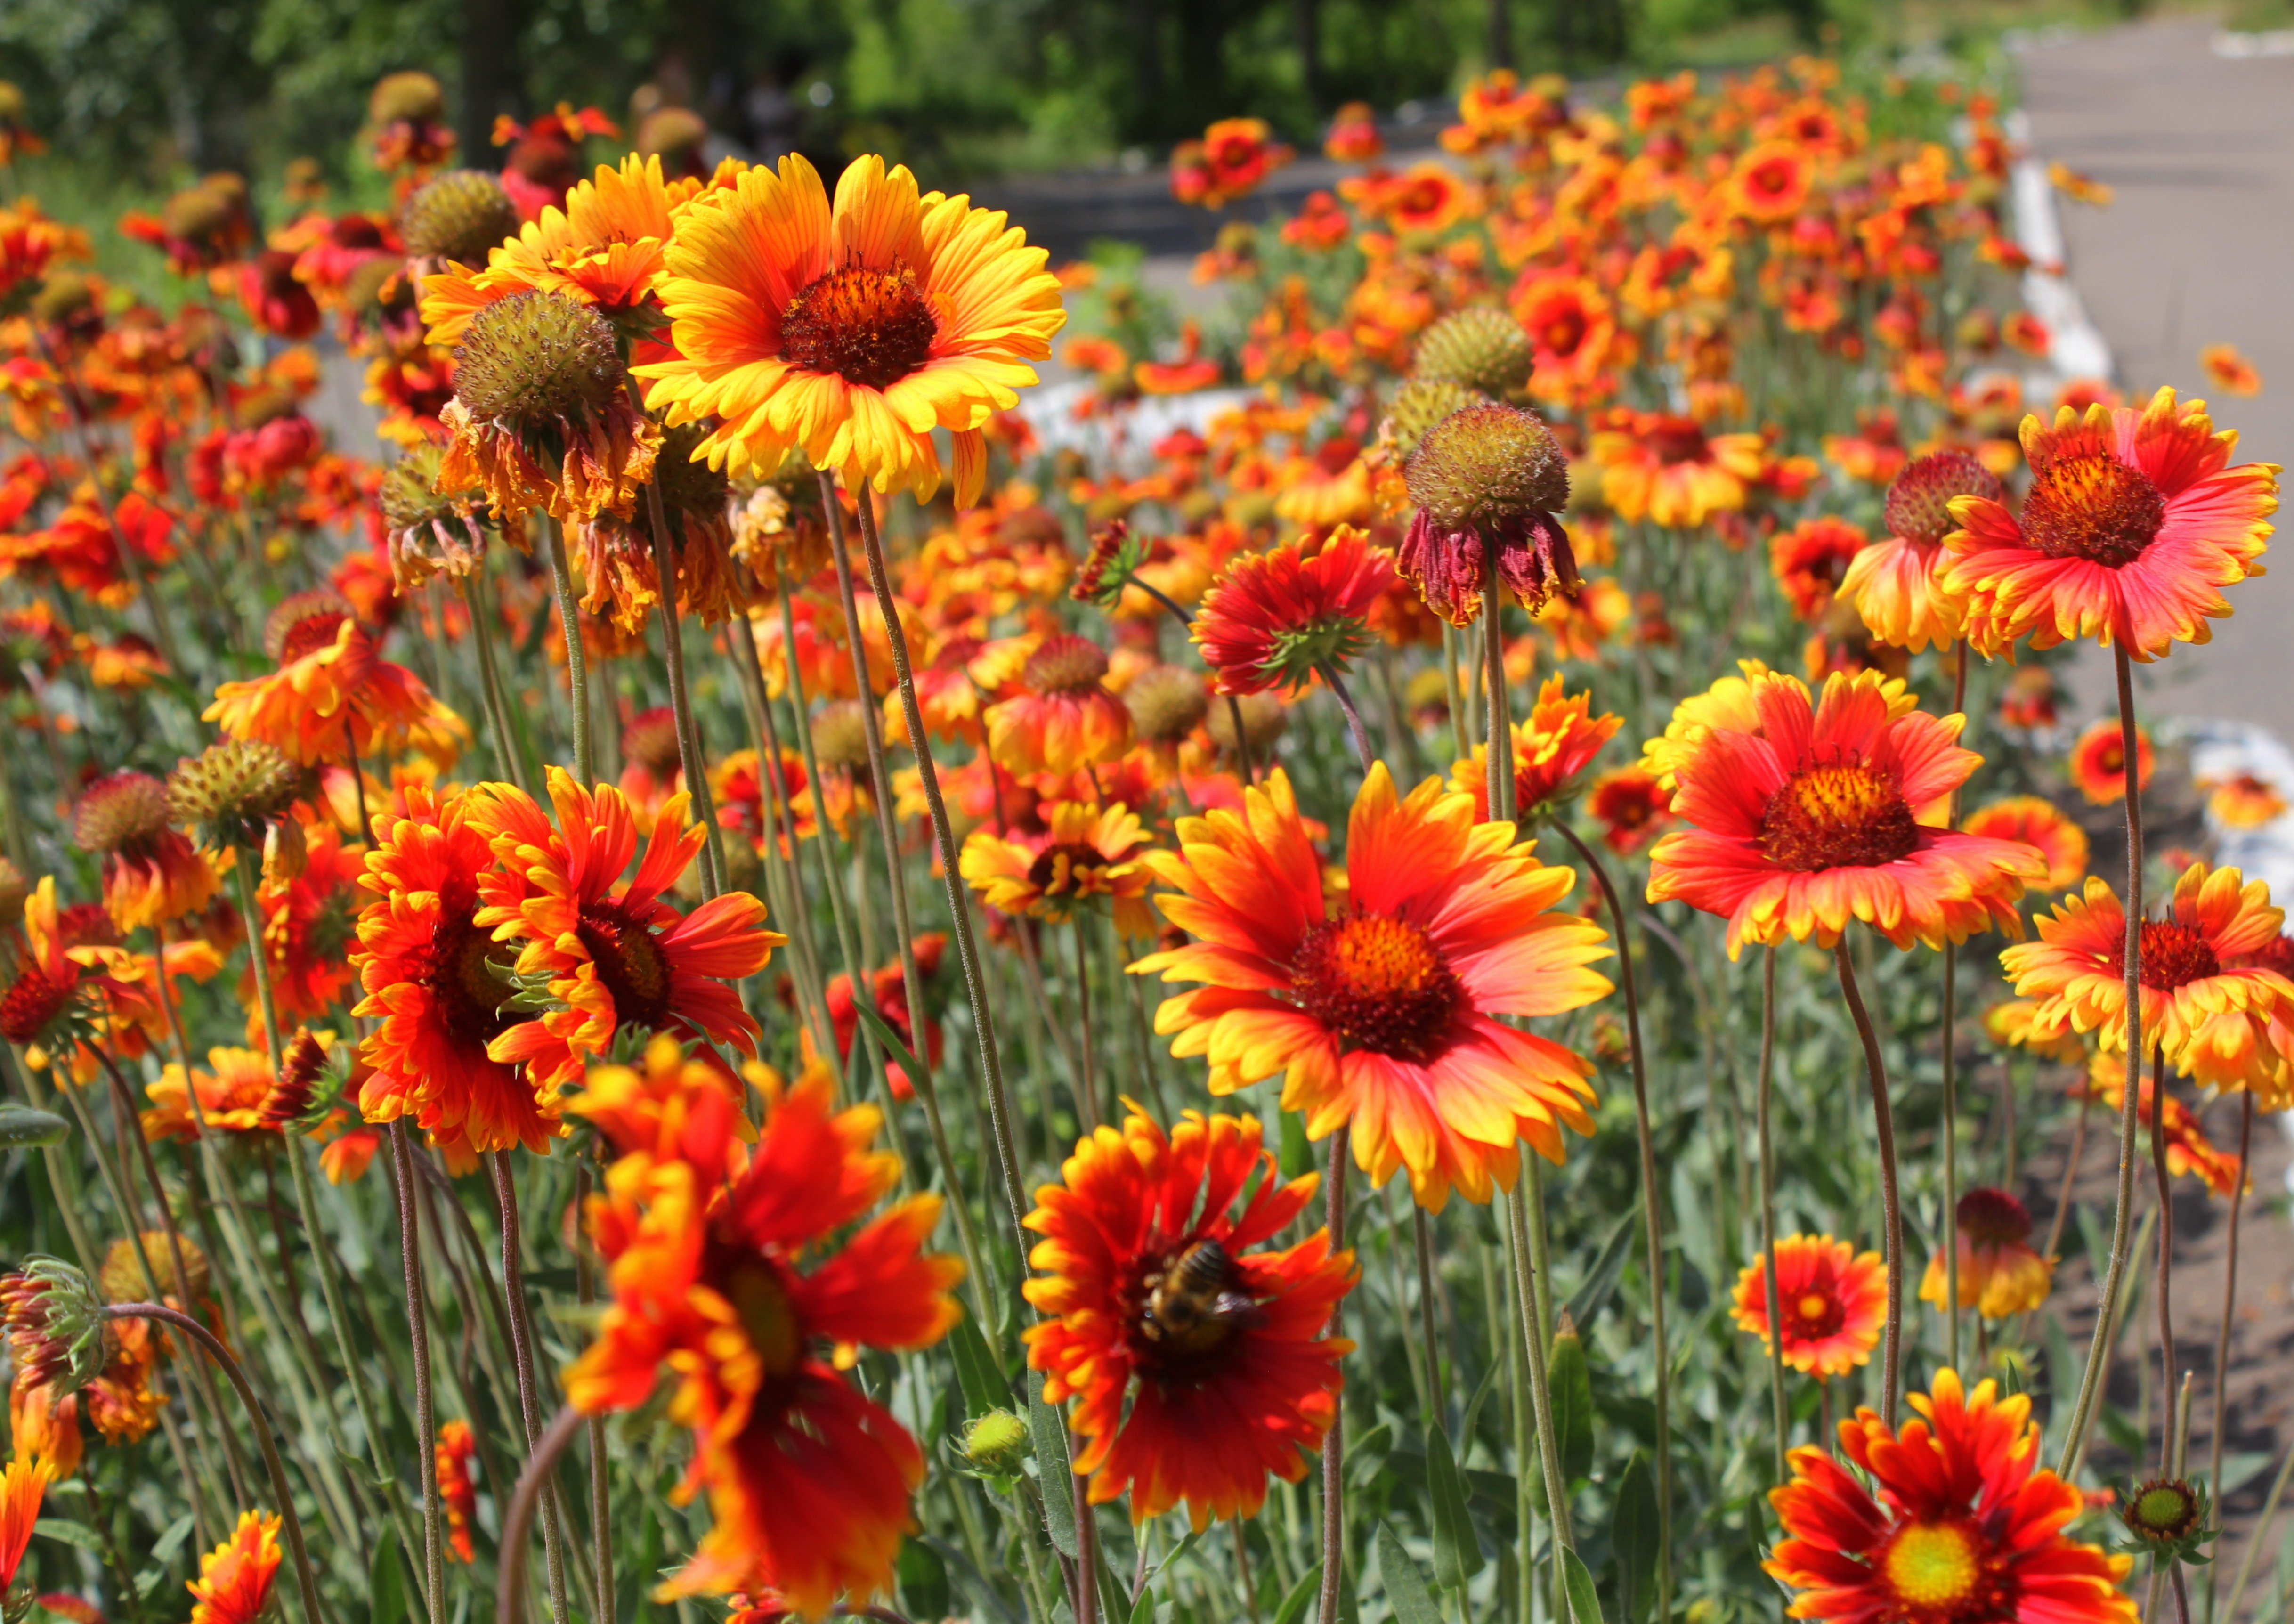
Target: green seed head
{"points": [[1487, 463], [459, 216], [1166, 703], [1421, 404], [413, 96], [1482, 348], [534, 359], [229, 791], [997, 1443]]}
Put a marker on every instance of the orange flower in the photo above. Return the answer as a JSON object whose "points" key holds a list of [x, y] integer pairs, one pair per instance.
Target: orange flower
{"points": [[1810, 560], [808, 1479], [1381, 1015], [1425, 200], [852, 332], [2133, 522], [21, 1488], [2098, 762], [1064, 719], [1550, 753], [1199, 1366], [334, 691], [456, 1445], [2078, 187], [230, 1096], [431, 980], [1275, 618], [1668, 470], [737, 787], [614, 954], [152, 874], [1632, 808], [1354, 136], [1893, 583], [1230, 161], [1966, 1521], [1806, 817], [235, 1582], [2014, 1022], [2191, 973], [2035, 822], [2243, 801], [1085, 853], [47, 983], [1832, 1298], [308, 925], [1771, 181], [2190, 1153], [1999, 1272], [1573, 333], [2233, 373]]}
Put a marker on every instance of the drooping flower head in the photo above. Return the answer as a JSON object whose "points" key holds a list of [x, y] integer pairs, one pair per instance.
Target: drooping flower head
{"points": [[1489, 482], [150, 873], [1550, 753], [851, 331], [1276, 617], [1832, 1298], [235, 1579], [2040, 823], [230, 1096], [727, 1274], [47, 987], [1805, 816], [1063, 719], [1893, 583], [333, 692], [613, 954], [1964, 1525], [2190, 1153], [2098, 762], [2134, 524], [1381, 1014], [2000, 1272]]}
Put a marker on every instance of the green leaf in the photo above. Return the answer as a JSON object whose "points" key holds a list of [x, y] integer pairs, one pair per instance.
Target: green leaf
{"points": [[385, 1581], [1601, 1280], [984, 1387], [164, 1549], [1457, 1553], [1571, 1382], [890, 1040], [1584, 1603], [22, 1127], [1297, 1156], [1142, 1607], [1474, 1406], [70, 1533], [1633, 1540], [923, 1581], [1054, 1476], [1406, 1586], [1301, 1597]]}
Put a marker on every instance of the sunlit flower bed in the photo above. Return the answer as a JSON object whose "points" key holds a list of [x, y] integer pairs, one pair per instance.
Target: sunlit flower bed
{"points": [[767, 976]]}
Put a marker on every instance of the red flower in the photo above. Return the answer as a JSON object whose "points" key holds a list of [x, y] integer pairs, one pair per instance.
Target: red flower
{"points": [[1277, 617]]}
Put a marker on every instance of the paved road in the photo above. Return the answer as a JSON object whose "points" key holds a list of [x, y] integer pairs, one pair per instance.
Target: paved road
{"points": [[2194, 251]]}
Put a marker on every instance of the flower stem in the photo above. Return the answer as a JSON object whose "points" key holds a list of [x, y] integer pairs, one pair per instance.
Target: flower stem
{"points": [[2261, 1529], [517, 1522], [222, 1356], [1767, 1082], [601, 1503], [1950, 1127], [2165, 1251], [512, 759], [1422, 1235], [1883, 1119], [2230, 1302], [1329, 670], [2106, 1311], [1334, 1441], [521, 1332], [418, 1321], [577, 660], [251, 917], [1540, 1397], [1087, 1075]]}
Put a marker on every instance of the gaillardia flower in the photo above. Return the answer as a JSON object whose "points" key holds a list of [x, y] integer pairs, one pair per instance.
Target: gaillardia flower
{"points": [[1276, 617], [1382, 1015], [1966, 1525], [1893, 583], [1199, 1366], [1063, 719], [1550, 753], [152, 874], [2133, 522], [1086, 852], [334, 692], [2098, 762], [1812, 816], [852, 332], [1831, 1297], [2038, 822], [1489, 482], [235, 1579], [2000, 1272]]}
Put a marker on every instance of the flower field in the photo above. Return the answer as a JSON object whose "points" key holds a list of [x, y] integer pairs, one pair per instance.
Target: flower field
{"points": [[760, 977]]}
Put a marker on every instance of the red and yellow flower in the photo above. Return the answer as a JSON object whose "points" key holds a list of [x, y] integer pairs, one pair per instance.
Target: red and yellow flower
{"points": [[152, 874], [1086, 852], [22, 1487], [2231, 372], [1632, 806], [1833, 1299], [1965, 1524], [1806, 816], [2000, 1272], [235, 1579], [1063, 719], [2243, 801], [334, 692], [723, 1276], [1550, 753], [2098, 762], [2036, 821], [457, 1446], [2190, 1153], [1810, 559], [1381, 1015], [1200, 1367], [1275, 617], [1668, 470], [230, 1096], [849, 332], [2133, 522]]}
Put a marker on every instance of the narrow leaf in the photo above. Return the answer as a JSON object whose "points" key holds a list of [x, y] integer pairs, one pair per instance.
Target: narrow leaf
{"points": [[1406, 1586], [385, 1581], [1632, 1538], [1572, 1383], [1301, 1597], [1584, 1603], [890, 1040], [171, 1541], [1056, 1479], [1601, 1281], [984, 1387], [1457, 1553], [70, 1533]]}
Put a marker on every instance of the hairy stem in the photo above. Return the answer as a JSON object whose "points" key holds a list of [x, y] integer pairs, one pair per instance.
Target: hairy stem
{"points": [[529, 1400], [418, 1321], [1883, 1119], [1334, 1441], [2222, 1337], [1766, 1090], [577, 659]]}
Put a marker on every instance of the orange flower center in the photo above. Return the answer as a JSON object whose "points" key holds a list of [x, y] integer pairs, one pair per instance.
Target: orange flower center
{"points": [[1932, 1565], [761, 1301], [1843, 816], [867, 327], [631, 964], [2093, 507], [1817, 1314], [2174, 956], [1378, 982]]}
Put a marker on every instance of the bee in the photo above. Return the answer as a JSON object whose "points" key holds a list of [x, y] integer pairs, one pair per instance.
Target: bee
{"points": [[1194, 1302]]}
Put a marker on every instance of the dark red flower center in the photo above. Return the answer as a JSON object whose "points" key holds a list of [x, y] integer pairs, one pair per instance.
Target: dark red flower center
{"points": [[631, 964], [462, 980], [1843, 816], [1563, 329], [2094, 507], [1993, 1218], [1814, 1315], [2173, 955], [1677, 439], [1067, 868], [310, 634], [1378, 983], [867, 327]]}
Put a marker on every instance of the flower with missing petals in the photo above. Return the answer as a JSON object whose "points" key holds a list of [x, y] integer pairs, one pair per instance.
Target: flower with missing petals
{"points": [[1488, 482]]}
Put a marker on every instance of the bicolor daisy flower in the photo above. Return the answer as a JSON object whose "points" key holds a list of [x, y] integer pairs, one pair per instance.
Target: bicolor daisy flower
{"points": [[2098, 762], [1965, 1523], [1381, 1015], [1807, 816], [1086, 852], [1550, 753], [333, 691], [2134, 524], [2000, 1272], [151, 873], [1275, 617], [1200, 1367], [1893, 583], [235, 1579], [2036, 821], [1063, 719], [457, 1446], [1831, 1298]]}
